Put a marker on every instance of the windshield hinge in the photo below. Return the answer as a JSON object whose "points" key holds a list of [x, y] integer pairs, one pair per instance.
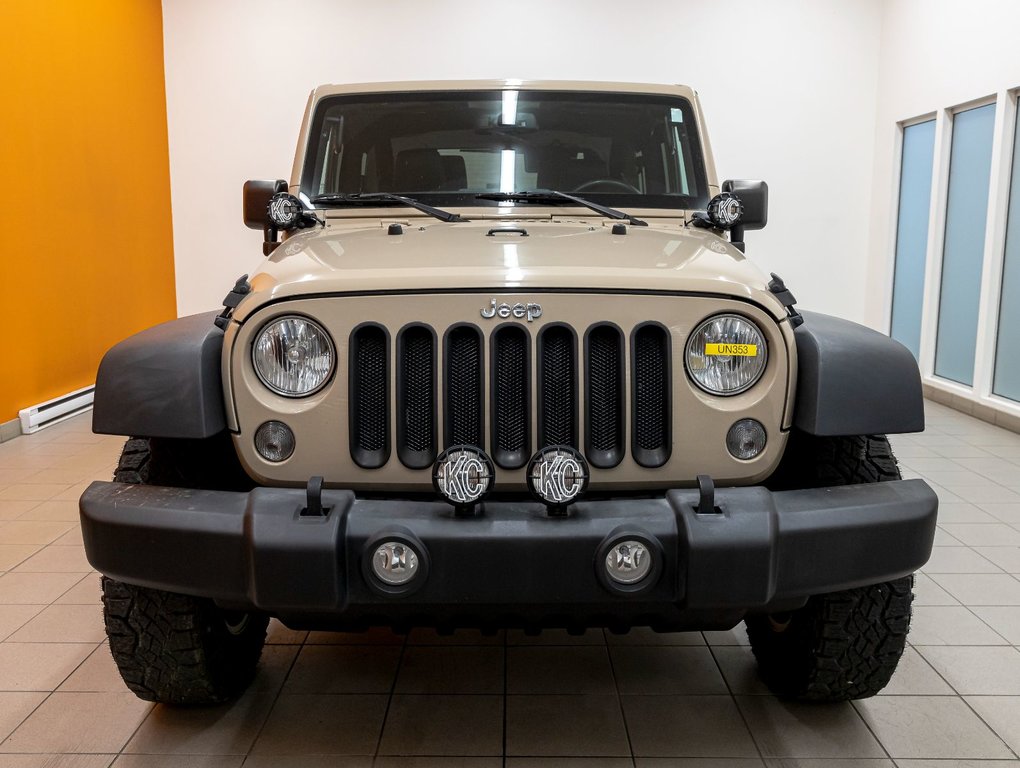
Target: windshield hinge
{"points": [[241, 289], [778, 288]]}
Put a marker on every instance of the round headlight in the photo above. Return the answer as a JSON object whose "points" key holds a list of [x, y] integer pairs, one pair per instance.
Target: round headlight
{"points": [[293, 356], [726, 355]]}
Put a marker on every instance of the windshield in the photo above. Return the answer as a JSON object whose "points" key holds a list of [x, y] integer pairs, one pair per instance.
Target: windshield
{"points": [[630, 150]]}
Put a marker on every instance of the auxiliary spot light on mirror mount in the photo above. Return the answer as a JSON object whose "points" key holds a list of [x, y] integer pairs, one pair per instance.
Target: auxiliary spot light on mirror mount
{"points": [[557, 476], [463, 475], [723, 212], [287, 212]]}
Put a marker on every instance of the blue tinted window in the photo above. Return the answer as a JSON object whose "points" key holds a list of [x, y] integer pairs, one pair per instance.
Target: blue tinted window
{"points": [[912, 234], [966, 208], [1007, 349]]}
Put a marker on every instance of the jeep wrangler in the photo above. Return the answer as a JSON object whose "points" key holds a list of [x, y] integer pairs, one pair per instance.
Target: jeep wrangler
{"points": [[506, 365]]}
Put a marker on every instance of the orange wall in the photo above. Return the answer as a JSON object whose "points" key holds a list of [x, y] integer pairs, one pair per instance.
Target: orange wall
{"points": [[86, 250]]}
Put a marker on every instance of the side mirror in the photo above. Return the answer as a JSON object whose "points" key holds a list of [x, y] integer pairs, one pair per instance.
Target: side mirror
{"points": [[256, 195], [754, 196]]}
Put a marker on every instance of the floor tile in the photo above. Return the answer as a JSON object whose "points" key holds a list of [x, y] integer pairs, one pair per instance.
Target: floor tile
{"points": [[38, 532], [64, 624], [930, 727], [424, 636], [44, 760], [981, 670], [35, 588], [79, 722], [927, 592], [687, 726], [39, 666], [324, 724], [13, 617], [976, 589], [343, 669], [447, 761], [795, 729], [1002, 713], [559, 669], [451, 669], [31, 491], [278, 634], [914, 676], [666, 670], [1004, 620], [374, 636], [308, 761], [443, 725], [958, 560], [12, 555], [978, 534], [740, 669], [98, 673], [704, 762], [565, 725], [950, 625], [58, 511], [1007, 558], [15, 706], [56, 559], [229, 729], [87, 591], [178, 761], [963, 512], [735, 636]]}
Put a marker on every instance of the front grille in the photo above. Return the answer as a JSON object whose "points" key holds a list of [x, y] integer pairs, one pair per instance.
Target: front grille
{"points": [[369, 407], [651, 386], [416, 397], [505, 396], [605, 396], [511, 416]]}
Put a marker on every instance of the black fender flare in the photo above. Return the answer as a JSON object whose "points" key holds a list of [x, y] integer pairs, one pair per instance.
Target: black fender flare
{"points": [[852, 380], [163, 382]]}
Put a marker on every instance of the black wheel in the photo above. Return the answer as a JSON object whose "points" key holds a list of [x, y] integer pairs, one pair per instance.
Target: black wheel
{"points": [[840, 645], [171, 648]]}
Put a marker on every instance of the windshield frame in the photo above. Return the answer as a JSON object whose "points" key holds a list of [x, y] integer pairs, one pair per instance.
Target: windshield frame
{"points": [[696, 144]]}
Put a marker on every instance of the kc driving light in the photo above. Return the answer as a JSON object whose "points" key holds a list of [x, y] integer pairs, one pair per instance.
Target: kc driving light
{"points": [[293, 356], [725, 210], [557, 476], [463, 475], [726, 355]]}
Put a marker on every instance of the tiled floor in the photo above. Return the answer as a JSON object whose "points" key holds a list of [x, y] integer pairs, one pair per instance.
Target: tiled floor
{"points": [[643, 700]]}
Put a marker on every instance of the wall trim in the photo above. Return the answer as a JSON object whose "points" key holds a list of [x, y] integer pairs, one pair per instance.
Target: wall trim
{"points": [[10, 430]]}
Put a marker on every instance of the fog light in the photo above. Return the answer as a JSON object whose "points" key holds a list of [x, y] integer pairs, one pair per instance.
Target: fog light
{"points": [[395, 563], [274, 441], [628, 562], [557, 475], [746, 439], [463, 475]]}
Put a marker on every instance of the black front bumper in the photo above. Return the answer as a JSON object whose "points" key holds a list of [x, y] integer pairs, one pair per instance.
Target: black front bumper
{"points": [[512, 564]]}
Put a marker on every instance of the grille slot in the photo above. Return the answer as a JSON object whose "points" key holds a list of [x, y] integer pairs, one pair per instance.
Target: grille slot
{"points": [[604, 389], [511, 416], [369, 397], [557, 387], [651, 437], [464, 412], [416, 397]]}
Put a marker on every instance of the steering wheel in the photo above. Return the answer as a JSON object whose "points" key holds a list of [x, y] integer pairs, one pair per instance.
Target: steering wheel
{"points": [[616, 184]]}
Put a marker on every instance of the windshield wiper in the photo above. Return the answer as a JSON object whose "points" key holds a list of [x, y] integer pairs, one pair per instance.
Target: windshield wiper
{"points": [[555, 198], [364, 198]]}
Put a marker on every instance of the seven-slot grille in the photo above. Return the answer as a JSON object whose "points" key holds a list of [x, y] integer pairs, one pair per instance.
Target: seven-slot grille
{"points": [[559, 355]]}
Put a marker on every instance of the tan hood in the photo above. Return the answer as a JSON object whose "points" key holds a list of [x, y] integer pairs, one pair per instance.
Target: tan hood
{"points": [[576, 254]]}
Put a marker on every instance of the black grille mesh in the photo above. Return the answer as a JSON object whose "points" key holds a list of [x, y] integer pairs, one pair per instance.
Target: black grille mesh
{"points": [[368, 389], [510, 384], [651, 388], [417, 392], [558, 410], [463, 387], [605, 390]]}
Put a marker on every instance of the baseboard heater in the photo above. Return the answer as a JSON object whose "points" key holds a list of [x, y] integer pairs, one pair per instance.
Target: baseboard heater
{"points": [[51, 412]]}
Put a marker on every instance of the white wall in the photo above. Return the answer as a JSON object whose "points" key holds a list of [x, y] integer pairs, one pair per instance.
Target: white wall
{"points": [[937, 55], [788, 87]]}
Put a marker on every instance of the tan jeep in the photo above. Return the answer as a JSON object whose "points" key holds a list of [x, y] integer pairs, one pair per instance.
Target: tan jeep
{"points": [[506, 365]]}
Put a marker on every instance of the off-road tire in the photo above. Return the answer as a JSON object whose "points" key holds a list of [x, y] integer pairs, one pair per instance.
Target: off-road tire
{"points": [[177, 649], [840, 645], [172, 648]]}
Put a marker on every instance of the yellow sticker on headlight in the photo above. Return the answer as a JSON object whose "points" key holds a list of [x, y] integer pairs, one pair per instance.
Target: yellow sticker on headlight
{"points": [[732, 350]]}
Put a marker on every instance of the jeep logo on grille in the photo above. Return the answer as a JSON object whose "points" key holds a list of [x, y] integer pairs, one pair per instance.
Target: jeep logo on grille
{"points": [[521, 311]]}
